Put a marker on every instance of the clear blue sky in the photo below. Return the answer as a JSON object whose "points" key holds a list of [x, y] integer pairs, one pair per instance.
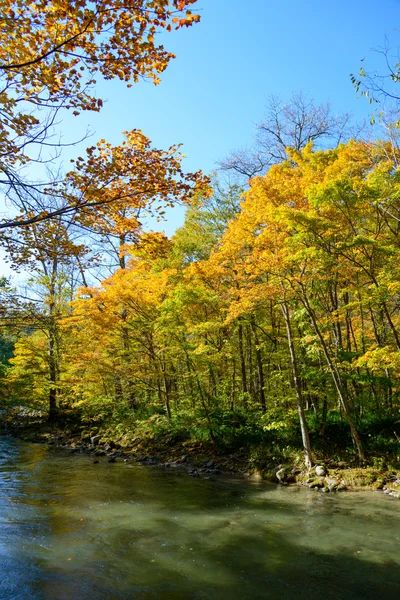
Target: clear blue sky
{"points": [[214, 91]]}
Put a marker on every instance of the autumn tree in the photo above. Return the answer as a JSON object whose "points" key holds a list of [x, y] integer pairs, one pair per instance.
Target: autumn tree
{"points": [[316, 234], [50, 57], [129, 358], [112, 185], [115, 186], [55, 257]]}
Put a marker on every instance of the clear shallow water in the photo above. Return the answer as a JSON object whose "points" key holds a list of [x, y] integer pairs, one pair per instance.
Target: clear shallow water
{"points": [[72, 530]]}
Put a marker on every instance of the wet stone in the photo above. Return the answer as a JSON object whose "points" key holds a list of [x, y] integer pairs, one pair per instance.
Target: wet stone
{"points": [[320, 470]]}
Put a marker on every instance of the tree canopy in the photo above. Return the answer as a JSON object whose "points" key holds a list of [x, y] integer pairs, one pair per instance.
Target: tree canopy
{"points": [[50, 57]]}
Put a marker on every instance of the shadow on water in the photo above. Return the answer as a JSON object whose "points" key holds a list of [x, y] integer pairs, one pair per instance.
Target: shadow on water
{"points": [[71, 530]]}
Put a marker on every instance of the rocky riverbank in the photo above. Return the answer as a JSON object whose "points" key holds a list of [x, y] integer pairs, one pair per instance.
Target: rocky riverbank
{"points": [[192, 458], [201, 460], [342, 477]]}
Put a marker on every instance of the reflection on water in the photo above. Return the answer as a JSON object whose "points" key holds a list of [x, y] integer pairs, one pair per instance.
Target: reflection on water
{"points": [[72, 530]]}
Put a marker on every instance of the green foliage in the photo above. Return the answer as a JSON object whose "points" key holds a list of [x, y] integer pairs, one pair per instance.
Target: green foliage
{"points": [[6, 348], [205, 222], [236, 428]]}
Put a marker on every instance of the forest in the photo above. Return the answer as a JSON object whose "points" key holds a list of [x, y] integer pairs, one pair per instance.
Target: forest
{"points": [[268, 323]]}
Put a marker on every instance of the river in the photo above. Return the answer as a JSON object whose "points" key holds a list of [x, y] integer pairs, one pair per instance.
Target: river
{"points": [[74, 530]]}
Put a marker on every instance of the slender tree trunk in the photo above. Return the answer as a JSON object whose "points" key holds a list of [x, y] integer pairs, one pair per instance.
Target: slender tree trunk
{"points": [[297, 385], [233, 388], [390, 391], [189, 370], [167, 398], [212, 380], [323, 417], [259, 363], [122, 257], [53, 347], [118, 393], [374, 395], [207, 413], [391, 325], [249, 347], [53, 409], [242, 359]]}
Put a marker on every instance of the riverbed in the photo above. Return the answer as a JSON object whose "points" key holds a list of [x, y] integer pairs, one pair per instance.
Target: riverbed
{"points": [[74, 530]]}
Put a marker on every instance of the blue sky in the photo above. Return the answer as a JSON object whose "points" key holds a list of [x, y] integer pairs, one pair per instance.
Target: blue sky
{"points": [[214, 91]]}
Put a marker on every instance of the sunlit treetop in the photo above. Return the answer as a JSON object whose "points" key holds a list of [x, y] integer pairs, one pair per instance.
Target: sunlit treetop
{"points": [[53, 49], [52, 52]]}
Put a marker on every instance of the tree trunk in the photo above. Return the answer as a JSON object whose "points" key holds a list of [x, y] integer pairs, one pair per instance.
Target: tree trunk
{"points": [[204, 405], [297, 385], [242, 360], [259, 363], [53, 409], [53, 349], [166, 398]]}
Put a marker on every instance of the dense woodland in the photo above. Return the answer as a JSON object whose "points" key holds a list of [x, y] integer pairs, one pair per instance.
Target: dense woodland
{"points": [[271, 319]]}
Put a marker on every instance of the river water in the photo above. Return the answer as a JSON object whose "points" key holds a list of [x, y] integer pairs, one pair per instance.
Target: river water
{"points": [[74, 530]]}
